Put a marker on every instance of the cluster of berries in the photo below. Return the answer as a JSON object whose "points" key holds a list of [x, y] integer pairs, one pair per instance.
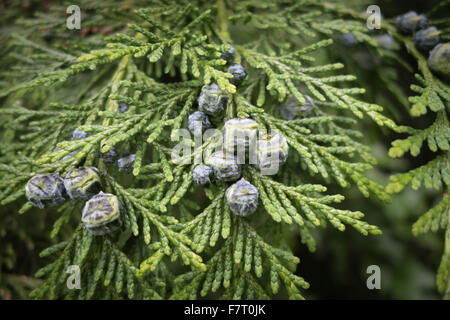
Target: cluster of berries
{"points": [[384, 40], [124, 163], [101, 213], [239, 134], [426, 38], [226, 165], [212, 101]]}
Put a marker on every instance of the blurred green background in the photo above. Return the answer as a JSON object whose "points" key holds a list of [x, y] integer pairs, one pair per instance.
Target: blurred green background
{"points": [[337, 270]]}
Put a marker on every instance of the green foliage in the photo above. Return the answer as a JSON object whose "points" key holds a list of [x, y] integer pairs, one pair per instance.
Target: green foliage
{"points": [[181, 241], [433, 94]]}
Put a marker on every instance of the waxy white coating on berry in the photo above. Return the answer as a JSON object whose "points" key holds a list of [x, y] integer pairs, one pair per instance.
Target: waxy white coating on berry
{"points": [[293, 109], [201, 174], [242, 198], [101, 214], [225, 166], [198, 119], [212, 100], [45, 189], [82, 183]]}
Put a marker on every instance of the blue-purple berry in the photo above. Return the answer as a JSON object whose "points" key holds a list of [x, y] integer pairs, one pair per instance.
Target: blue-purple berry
{"points": [[82, 183], [293, 109], [45, 190], [198, 119], [102, 214], [229, 55], [427, 38], [123, 107], [410, 22], [126, 164], [238, 72], [273, 151], [349, 40], [212, 100], [386, 41], [79, 134], [109, 156], [242, 198], [201, 174], [439, 59], [225, 166]]}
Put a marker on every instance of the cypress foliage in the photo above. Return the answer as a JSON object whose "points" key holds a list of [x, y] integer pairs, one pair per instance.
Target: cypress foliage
{"points": [[180, 240]]}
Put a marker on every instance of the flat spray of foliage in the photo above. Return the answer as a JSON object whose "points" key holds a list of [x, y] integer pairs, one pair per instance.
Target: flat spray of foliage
{"points": [[155, 56]]}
